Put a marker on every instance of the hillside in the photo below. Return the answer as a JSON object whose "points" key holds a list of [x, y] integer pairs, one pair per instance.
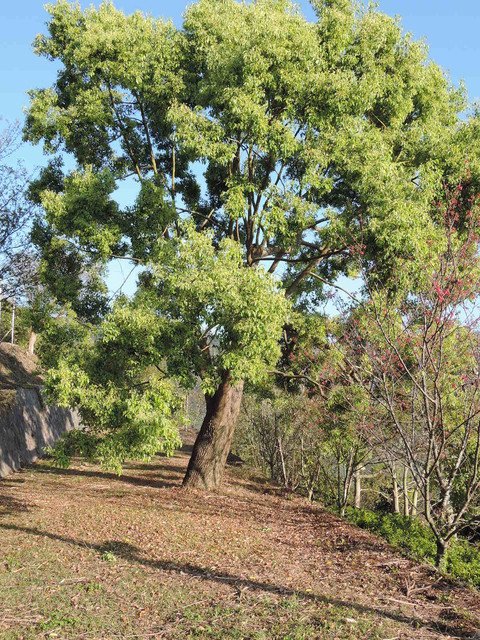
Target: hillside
{"points": [[88, 555], [17, 367]]}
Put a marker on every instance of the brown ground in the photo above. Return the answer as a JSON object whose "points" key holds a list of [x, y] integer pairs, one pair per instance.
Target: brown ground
{"points": [[85, 554], [17, 367]]}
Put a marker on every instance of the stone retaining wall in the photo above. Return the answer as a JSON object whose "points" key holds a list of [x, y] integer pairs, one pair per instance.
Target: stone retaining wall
{"points": [[27, 426]]}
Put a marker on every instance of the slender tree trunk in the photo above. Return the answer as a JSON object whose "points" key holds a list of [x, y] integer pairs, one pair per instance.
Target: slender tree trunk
{"points": [[440, 557], [447, 508], [406, 503], [414, 509], [358, 490], [339, 486], [211, 448], [12, 326], [347, 484], [32, 339], [395, 490], [282, 460]]}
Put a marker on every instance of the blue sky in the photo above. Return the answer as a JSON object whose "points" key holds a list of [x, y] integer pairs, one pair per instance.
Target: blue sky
{"points": [[449, 27]]}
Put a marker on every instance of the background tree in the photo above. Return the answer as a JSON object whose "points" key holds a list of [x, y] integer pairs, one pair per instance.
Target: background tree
{"points": [[17, 258], [420, 364], [256, 139], [282, 435]]}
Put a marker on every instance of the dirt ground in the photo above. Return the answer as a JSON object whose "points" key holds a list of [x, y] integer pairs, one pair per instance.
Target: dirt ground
{"points": [[87, 554]]}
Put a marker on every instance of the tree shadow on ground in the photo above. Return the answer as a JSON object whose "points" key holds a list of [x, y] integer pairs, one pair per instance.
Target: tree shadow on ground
{"points": [[259, 485], [132, 554], [10, 505], [172, 468], [141, 481]]}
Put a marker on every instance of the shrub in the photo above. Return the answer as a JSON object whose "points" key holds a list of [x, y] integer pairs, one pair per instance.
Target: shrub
{"points": [[463, 561], [417, 540]]}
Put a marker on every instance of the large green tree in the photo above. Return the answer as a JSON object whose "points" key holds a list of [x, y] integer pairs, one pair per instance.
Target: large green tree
{"points": [[269, 152]]}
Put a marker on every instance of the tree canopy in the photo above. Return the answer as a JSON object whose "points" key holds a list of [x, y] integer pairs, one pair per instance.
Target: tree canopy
{"points": [[270, 153]]}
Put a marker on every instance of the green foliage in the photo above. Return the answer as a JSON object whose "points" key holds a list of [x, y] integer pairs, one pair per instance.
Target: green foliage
{"points": [[86, 198], [417, 357], [409, 534], [120, 423], [127, 408], [198, 309], [147, 220], [59, 333], [342, 120], [401, 531], [109, 556], [58, 621], [254, 137], [218, 314], [463, 561], [22, 323], [71, 277], [76, 443]]}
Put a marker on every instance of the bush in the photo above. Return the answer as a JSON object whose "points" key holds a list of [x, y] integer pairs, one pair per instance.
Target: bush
{"points": [[417, 540], [409, 534], [463, 561]]}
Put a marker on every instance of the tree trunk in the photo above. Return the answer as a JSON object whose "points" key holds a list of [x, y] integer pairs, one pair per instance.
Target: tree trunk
{"points": [[358, 490], [406, 503], [339, 486], [32, 339], [12, 326], [440, 557], [347, 483], [414, 509], [395, 492], [282, 462], [212, 446]]}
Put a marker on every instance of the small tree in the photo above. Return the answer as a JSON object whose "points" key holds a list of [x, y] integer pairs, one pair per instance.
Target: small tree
{"points": [[420, 362], [345, 440], [282, 434], [255, 139], [17, 262], [313, 431]]}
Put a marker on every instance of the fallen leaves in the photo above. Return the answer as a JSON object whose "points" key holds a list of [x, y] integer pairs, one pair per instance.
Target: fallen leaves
{"points": [[243, 558]]}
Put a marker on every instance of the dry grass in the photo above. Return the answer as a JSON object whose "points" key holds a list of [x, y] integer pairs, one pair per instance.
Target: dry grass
{"points": [[87, 555], [17, 368], [7, 399]]}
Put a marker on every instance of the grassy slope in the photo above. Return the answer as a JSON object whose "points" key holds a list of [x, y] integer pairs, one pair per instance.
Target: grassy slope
{"points": [[17, 368], [85, 555]]}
